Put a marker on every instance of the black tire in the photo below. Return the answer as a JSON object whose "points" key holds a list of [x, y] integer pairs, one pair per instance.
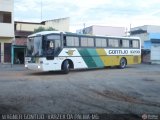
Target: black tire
{"points": [[122, 63], [65, 67]]}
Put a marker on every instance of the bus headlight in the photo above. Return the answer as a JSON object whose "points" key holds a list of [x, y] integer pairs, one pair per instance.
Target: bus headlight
{"points": [[39, 67], [25, 66]]}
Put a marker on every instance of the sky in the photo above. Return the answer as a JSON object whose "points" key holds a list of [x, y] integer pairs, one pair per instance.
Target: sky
{"points": [[120, 13]]}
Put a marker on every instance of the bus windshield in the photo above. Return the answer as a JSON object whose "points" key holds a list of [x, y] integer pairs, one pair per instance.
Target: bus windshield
{"points": [[49, 46], [52, 45], [34, 46]]}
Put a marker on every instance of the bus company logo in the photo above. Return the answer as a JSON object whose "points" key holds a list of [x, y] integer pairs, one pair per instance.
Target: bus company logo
{"points": [[144, 117], [118, 52], [70, 52]]}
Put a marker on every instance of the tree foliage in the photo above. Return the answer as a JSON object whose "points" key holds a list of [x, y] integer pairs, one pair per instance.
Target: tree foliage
{"points": [[40, 29]]}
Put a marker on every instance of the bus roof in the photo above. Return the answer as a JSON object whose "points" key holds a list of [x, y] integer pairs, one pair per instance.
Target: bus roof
{"points": [[44, 33], [87, 35]]}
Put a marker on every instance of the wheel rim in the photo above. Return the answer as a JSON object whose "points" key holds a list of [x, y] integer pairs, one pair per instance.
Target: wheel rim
{"points": [[67, 66], [123, 63]]}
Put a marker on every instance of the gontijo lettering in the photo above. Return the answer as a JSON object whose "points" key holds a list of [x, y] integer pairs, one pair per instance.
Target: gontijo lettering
{"points": [[117, 52]]}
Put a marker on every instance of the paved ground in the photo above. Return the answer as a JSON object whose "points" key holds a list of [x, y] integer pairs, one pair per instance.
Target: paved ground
{"points": [[135, 89]]}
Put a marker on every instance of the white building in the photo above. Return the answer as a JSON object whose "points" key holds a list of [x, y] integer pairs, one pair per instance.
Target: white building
{"points": [[6, 29], [145, 32], [61, 24], [103, 30], [150, 41]]}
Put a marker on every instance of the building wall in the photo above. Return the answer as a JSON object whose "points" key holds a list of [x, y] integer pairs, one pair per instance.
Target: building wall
{"points": [[27, 26], [6, 28], [58, 24], [155, 53], [7, 31], [154, 35], [103, 30], [148, 41], [88, 30], [152, 32], [109, 31], [150, 36], [147, 45], [153, 29], [61, 24], [7, 6], [148, 28], [3, 41]]}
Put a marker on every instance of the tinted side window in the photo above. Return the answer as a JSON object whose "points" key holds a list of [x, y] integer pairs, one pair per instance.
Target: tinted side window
{"points": [[135, 44], [125, 43], [87, 42], [72, 41], [113, 42], [101, 42]]}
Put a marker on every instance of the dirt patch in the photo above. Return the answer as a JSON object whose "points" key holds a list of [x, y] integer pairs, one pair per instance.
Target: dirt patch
{"points": [[120, 96], [117, 95], [148, 80]]}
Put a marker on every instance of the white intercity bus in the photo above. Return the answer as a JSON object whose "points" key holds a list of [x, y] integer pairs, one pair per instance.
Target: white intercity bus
{"points": [[54, 51]]}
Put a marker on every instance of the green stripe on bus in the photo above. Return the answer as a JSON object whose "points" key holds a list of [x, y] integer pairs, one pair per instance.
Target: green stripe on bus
{"points": [[87, 58], [96, 57], [103, 56]]}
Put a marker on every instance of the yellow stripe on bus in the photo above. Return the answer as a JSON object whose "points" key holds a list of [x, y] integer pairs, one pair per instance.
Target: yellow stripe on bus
{"points": [[115, 60]]}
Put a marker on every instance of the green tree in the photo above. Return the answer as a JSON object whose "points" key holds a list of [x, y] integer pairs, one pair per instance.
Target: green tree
{"points": [[40, 29]]}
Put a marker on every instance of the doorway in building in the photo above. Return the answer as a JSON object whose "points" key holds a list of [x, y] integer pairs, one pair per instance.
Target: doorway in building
{"points": [[7, 52], [19, 54]]}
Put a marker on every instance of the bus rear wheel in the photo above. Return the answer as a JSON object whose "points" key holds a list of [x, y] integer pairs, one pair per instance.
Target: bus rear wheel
{"points": [[65, 67], [122, 63]]}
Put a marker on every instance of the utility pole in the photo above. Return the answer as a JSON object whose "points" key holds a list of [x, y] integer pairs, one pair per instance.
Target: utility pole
{"points": [[130, 29], [41, 10], [84, 25]]}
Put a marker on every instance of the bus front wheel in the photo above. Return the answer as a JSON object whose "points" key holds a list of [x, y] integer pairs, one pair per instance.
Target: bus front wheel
{"points": [[65, 67], [123, 63]]}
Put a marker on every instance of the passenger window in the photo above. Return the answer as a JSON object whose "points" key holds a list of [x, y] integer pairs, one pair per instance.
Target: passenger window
{"points": [[87, 42], [135, 44], [101, 42], [72, 41], [125, 43], [113, 42]]}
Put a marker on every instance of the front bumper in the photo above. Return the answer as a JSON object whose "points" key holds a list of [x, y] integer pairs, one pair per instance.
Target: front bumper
{"points": [[33, 66]]}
